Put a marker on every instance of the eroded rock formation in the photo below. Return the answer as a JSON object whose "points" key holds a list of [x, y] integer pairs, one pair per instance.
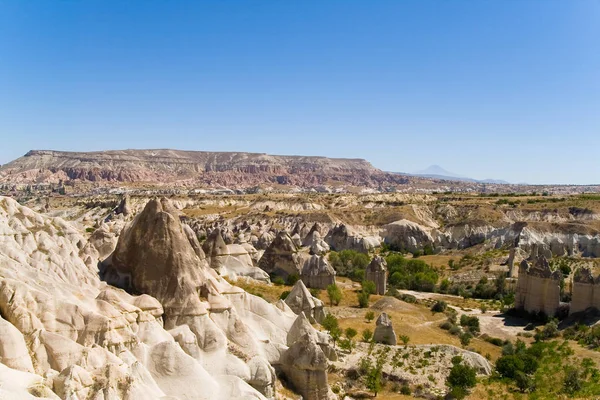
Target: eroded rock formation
{"points": [[586, 291], [538, 287], [317, 273], [341, 237], [186, 333], [281, 257], [301, 301], [231, 260], [384, 331], [377, 272]]}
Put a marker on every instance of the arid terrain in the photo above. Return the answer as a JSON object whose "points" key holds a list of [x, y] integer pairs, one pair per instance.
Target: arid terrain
{"points": [[191, 275]]}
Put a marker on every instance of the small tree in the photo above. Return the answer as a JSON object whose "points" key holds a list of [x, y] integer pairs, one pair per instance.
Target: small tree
{"points": [[363, 299], [334, 293], [471, 323], [367, 335], [369, 316], [336, 334], [524, 382], [350, 333], [373, 378], [439, 306], [461, 378], [330, 322], [405, 339], [369, 287], [465, 338], [572, 381]]}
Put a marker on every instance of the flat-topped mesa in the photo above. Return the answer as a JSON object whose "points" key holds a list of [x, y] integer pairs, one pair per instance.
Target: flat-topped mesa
{"points": [[154, 256], [538, 287], [209, 168], [586, 291], [377, 272]]}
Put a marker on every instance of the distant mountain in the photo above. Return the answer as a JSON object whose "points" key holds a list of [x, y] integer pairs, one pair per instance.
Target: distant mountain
{"points": [[437, 172]]}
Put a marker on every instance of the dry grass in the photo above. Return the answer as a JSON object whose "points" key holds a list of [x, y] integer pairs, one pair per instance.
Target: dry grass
{"points": [[269, 292], [439, 260]]}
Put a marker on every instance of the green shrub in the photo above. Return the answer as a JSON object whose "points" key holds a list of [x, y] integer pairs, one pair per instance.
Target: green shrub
{"points": [[462, 376], [405, 390], [292, 279], [465, 338], [363, 299], [284, 294], [446, 325], [470, 322], [439, 306], [349, 263], [508, 366], [368, 287], [278, 280], [334, 293], [350, 333], [524, 382], [367, 335], [411, 274], [330, 322]]}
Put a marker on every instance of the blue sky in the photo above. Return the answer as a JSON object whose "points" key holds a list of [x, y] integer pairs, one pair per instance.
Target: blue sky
{"points": [[490, 89]]}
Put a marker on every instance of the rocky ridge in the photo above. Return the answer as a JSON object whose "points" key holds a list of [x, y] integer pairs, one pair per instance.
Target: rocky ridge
{"points": [[178, 167]]}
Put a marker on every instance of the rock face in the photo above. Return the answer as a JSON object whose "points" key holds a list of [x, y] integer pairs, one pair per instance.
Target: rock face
{"points": [[123, 207], [341, 237], [377, 272], [175, 167], [384, 331], [316, 244], [301, 301], [167, 268], [538, 287], [231, 260], [317, 273], [104, 241], [202, 338], [407, 236], [305, 365], [281, 257], [586, 291]]}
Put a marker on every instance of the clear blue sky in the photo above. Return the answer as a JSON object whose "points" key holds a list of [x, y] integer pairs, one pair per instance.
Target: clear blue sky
{"points": [[490, 89]]}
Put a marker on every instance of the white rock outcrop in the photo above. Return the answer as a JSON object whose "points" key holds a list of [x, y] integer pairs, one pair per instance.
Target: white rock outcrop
{"points": [[66, 334], [384, 330], [538, 287], [317, 273]]}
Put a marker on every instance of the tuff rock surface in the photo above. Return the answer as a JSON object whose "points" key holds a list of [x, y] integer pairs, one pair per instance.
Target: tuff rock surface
{"points": [[317, 273], [185, 333], [384, 331]]}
